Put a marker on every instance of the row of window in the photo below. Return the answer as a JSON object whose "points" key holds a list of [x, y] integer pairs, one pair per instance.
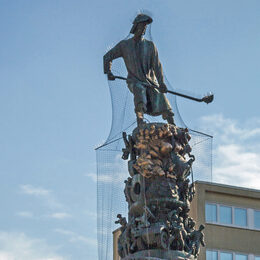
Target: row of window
{"points": [[221, 255], [229, 215]]}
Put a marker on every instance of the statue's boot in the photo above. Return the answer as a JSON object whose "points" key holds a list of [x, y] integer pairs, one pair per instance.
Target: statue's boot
{"points": [[168, 115], [140, 119], [170, 120], [140, 110]]}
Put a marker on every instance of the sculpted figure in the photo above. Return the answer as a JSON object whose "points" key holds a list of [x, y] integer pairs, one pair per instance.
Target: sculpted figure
{"points": [[174, 215], [182, 166], [176, 241], [129, 149], [123, 241], [122, 221], [142, 221], [191, 192], [128, 184], [184, 190], [144, 69], [190, 224], [197, 238], [134, 234]]}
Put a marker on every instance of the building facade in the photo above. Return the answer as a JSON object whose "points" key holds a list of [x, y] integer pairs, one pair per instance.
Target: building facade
{"points": [[231, 216]]}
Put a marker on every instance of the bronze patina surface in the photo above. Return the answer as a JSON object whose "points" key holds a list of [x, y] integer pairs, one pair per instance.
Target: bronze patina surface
{"points": [[158, 191], [159, 194], [143, 65]]}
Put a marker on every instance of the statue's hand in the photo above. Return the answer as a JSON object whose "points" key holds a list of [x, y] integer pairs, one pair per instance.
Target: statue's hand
{"points": [[110, 76], [163, 88]]}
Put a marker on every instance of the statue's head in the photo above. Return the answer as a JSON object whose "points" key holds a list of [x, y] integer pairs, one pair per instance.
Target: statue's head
{"points": [[140, 24], [201, 227], [192, 223]]}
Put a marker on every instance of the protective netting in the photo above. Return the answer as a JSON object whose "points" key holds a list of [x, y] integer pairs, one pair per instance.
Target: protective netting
{"points": [[112, 170]]}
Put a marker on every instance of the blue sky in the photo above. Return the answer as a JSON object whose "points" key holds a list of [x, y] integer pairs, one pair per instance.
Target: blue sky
{"points": [[55, 106]]}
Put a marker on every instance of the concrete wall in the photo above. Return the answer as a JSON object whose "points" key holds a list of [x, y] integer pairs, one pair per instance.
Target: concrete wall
{"points": [[116, 235]]}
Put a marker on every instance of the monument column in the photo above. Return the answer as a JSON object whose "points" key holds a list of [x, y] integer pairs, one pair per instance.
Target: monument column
{"points": [[158, 190]]}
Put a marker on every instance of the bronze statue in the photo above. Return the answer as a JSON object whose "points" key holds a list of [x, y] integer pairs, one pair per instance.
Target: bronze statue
{"points": [[158, 191], [197, 238], [144, 72], [122, 221]]}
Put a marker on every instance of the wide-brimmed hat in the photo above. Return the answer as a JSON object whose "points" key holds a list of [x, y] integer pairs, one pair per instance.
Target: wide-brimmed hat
{"points": [[140, 18]]}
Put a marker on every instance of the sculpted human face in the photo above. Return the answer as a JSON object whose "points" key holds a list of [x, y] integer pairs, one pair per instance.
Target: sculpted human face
{"points": [[140, 29]]}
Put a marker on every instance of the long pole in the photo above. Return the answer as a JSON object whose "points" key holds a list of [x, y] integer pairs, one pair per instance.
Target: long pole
{"points": [[207, 99]]}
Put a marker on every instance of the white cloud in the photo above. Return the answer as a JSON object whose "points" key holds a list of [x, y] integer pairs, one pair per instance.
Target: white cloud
{"points": [[18, 246], [60, 215], [236, 156], [237, 166], [45, 195], [90, 214], [48, 199], [37, 191], [107, 178], [55, 215], [228, 130], [74, 237], [24, 214]]}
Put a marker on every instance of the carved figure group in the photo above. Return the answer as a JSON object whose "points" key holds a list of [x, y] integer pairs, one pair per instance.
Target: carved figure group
{"points": [[161, 151], [159, 192]]}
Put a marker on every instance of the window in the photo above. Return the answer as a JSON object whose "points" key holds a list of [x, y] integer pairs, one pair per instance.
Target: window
{"points": [[232, 216], [240, 257], [211, 212], [225, 215], [240, 217], [257, 219], [225, 256], [211, 255]]}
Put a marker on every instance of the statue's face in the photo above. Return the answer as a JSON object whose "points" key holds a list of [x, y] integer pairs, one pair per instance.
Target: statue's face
{"points": [[140, 29]]}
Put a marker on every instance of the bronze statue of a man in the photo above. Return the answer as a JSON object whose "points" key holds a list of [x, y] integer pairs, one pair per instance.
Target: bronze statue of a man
{"points": [[144, 68]]}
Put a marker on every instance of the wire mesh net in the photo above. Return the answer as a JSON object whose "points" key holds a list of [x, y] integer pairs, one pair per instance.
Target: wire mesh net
{"points": [[112, 170]]}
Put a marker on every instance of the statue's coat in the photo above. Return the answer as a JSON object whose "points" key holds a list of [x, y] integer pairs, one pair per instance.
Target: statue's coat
{"points": [[143, 66]]}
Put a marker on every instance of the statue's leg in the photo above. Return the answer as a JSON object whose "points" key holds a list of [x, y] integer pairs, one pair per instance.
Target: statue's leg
{"points": [[139, 117], [168, 115], [160, 105], [140, 100]]}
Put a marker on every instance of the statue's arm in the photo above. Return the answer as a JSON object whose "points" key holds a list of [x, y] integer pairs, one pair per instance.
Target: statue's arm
{"points": [[157, 66], [203, 241], [111, 55]]}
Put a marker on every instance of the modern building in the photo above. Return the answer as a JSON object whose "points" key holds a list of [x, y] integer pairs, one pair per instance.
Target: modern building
{"points": [[231, 216]]}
